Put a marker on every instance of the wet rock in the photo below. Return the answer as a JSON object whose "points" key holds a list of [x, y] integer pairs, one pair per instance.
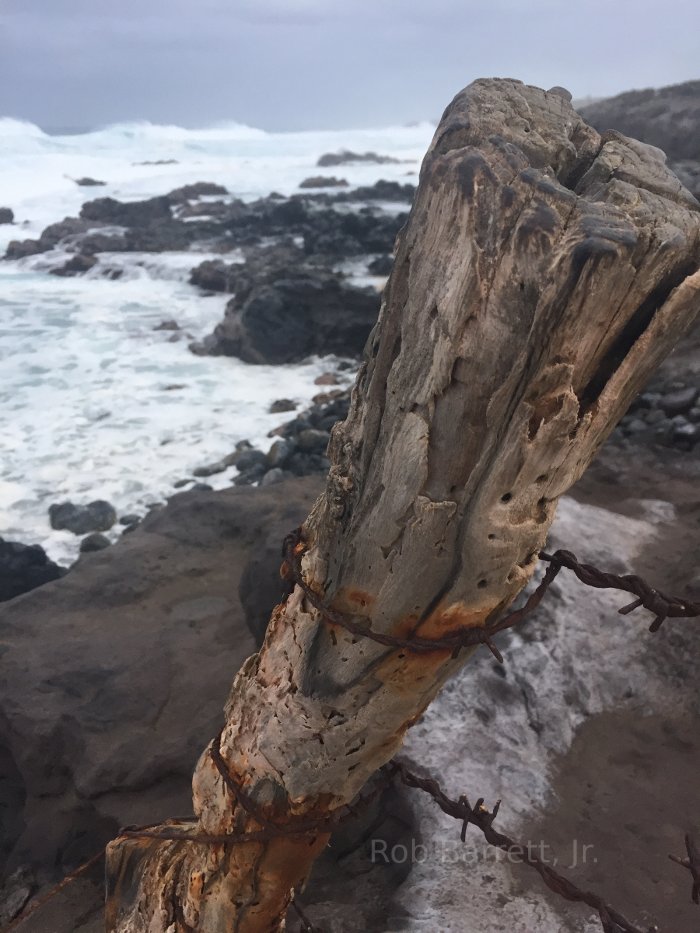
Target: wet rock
{"points": [[323, 181], [24, 567], [286, 315], [312, 439], [88, 182], [346, 157], [273, 476], [251, 475], [6, 216], [18, 249], [326, 379], [127, 214], [679, 402], [213, 275], [383, 190], [199, 189], [249, 459], [686, 435], [279, 453], [167, 325], [129, 519], [81, 519], [94, 542], [282, 404], [382, 265], [211, 469], [76, 265]]}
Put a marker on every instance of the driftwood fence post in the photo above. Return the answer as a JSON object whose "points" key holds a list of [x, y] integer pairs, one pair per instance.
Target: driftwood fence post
{"points": [[544, 272]]}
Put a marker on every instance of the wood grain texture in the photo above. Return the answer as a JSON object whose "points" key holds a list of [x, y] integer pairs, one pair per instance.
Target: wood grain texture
{"points": [[544, 272]]}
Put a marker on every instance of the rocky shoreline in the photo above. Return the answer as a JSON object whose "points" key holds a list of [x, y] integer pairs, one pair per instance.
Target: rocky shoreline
{"points": [[108, 728]]}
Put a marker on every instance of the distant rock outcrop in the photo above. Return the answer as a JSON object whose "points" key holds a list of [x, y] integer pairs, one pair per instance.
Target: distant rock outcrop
{"points": [[323, 181], [667, 117], [346, 157]]}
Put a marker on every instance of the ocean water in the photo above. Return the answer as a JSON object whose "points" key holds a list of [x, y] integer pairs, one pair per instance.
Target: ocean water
{"points": [[95, 402]]}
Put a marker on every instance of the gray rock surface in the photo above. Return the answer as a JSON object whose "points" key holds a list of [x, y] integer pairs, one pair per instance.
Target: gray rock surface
{"points": [[80, 519], [137, 644]]}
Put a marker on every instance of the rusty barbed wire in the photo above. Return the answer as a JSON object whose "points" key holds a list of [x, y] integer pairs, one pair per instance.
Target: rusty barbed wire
{"points": [[663, 606], [692, 863], [612, 921]]}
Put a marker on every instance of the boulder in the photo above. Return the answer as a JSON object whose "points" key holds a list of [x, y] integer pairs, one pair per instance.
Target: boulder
{"points": [[94, 542], [127, 214], [282, 404], [88, 182], [24, 567], [114, 677], [76, 265], [6, 216], [199, 189], [323, 181], [346, 157], [289, 314], [382, 265], [213, 275], [81, 519], [18, 249]]}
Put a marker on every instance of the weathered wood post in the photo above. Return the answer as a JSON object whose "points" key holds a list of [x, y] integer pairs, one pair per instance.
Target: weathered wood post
{"points": [[544, 272]]}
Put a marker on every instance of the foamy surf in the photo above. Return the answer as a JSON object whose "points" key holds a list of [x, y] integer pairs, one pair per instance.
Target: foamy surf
{"points": [[96, 403]]}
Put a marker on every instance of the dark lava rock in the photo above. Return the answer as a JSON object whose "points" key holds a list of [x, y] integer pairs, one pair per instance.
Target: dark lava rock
{"points": [[382, 265], [18, 249], [131, 658], [345, 157], [213, 275], [275, 475], [81, 519], [88, 182], [127, 214], [282, 404], [6, 216], [287, 315], [667, 117], [24, 567], [76, 265], [63, 230], [94, 542], [679, 402], [130, 519], [199, 189], [323, 181], [384, 191], [250, 459]]}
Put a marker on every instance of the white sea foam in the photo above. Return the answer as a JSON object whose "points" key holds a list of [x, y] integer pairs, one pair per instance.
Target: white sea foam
{"points": [[94, 402]]}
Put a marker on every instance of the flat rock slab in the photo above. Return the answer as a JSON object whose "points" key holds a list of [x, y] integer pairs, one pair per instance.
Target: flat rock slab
{"points": [[112, 676]]}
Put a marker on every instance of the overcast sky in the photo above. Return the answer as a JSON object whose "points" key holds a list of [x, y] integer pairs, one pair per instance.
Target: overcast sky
{"points": [[306, 64]]}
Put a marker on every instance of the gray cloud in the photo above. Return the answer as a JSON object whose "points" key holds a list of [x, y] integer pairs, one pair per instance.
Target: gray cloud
{"points": [[285, 64]]}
